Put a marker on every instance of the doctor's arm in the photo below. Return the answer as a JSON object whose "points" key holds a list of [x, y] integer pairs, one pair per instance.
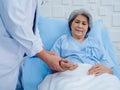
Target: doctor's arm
{"points": [[18, 20]]}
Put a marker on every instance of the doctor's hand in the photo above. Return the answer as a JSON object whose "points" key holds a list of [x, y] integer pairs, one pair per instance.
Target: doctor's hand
{"points": [[51, 59], [52, 53], [99, 69], [66, 65]]}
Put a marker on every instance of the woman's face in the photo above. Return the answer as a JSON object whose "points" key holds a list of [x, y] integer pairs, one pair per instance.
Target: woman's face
{"points": [[79, 27]]}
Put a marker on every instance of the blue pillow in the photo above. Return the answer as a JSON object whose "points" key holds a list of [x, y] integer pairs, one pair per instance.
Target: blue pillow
{"points": [[96, 31], [51, 29]]}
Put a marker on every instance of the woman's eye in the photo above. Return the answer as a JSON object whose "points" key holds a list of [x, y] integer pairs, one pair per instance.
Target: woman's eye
{"points": [[76, 22], [84, 23]]}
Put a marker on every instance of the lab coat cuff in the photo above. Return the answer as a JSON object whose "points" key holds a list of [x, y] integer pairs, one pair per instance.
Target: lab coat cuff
{"points": [[36, 48]]}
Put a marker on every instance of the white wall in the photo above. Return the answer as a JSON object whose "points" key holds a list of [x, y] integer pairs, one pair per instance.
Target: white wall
{"points": [[107, 10]]}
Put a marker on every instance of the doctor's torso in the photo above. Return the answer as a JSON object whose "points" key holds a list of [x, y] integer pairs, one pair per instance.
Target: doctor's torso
{"points": [[11, 50]]}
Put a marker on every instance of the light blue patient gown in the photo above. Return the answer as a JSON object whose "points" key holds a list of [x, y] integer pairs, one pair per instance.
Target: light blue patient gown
{"points": [[18, 35], [89, 51]]}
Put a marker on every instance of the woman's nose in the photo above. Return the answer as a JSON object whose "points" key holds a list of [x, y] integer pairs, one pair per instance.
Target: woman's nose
{"points": [[80, 24]]}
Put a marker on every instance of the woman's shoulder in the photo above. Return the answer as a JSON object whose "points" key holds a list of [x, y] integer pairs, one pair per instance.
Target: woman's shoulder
{"points": [[63, 39], [64, 36]]}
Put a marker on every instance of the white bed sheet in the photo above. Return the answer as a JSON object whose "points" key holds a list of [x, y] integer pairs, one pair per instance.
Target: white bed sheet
{"points": [[79, 80]]}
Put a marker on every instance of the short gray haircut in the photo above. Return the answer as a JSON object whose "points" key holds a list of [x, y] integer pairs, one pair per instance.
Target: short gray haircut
{"points": [[83, 12]]}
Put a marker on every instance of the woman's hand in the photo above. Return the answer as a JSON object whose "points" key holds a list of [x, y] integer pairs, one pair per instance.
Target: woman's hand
{"points": [[99, 69], [66, 65]]}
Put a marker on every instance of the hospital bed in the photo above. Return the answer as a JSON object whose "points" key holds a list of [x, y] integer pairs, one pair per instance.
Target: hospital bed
{"points": [[35, 69]]}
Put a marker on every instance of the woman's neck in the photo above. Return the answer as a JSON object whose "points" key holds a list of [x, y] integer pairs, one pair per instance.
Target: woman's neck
{"points": [[79, 39]]}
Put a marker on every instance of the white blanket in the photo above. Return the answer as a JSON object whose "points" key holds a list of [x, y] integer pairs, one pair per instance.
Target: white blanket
{"points": [[79, 80]]}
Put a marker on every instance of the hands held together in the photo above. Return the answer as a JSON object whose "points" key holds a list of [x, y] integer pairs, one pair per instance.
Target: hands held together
{"points": [[58, 64]]}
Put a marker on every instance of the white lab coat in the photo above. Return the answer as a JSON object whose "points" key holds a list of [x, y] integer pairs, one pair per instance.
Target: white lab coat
{"points": [[16, 38]]}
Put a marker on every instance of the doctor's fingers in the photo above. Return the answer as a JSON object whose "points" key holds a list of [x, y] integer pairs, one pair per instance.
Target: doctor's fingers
{"points": [[65, 64], [57, 68], [57, 65]]}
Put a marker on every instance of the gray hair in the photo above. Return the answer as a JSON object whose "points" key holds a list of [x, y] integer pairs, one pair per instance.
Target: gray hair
{"points": [[83, 12]]}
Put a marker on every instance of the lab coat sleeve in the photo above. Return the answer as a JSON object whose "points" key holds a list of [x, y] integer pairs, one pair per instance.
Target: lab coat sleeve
{"points": [[18, 24]]}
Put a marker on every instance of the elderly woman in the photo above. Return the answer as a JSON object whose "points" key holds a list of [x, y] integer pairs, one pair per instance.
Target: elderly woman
{"points": [[94, 71]]}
